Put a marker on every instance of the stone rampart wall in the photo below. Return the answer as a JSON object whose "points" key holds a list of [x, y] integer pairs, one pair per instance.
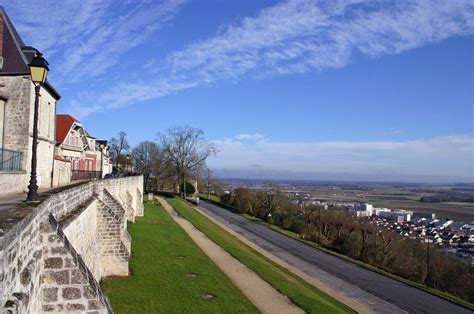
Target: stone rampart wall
{"points": [[53, 259]]}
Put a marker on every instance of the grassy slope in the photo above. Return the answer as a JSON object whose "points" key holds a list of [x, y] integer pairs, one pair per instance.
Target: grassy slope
{"points": [[302, 293], [160, 282], [214, 198]]}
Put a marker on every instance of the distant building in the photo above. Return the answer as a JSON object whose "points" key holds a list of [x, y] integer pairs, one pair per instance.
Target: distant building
{"points": [[17, 97], [367, 207], [378, 211], [399, 215]]}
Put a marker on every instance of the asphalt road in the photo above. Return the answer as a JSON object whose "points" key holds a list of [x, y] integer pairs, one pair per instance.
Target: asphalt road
{"points": [[403, 296]]}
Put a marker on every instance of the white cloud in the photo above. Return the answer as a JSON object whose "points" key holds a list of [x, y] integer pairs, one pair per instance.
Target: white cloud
{"points": [[86, 38], [246, 136], [298, 36], [449, 156]]}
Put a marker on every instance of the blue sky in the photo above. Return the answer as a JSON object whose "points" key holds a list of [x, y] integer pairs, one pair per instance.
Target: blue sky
{"points": [[297, 89]]}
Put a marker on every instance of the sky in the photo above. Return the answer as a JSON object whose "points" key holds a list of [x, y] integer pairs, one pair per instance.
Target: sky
{"points": [[296, 89]]}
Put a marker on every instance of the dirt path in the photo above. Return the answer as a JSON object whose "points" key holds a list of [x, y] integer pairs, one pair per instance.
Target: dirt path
{"points": [[258, 291]]}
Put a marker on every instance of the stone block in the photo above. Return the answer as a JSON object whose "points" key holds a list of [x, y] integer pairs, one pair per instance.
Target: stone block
{"points": [[71, 293], [59, 250], [93, 305], [53, 307], [53, 262], [77, 277], [50, 294], [89, 293], [25, 276], [68, 262], [56, 277], [71, 307]]}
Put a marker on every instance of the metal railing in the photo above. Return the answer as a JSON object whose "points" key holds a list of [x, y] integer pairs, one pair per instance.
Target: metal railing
{"points": [[11, 160], [85, 175]]}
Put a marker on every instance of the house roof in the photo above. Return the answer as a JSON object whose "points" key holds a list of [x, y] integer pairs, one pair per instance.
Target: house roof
{"points": [[16, 56], [64, 122]]}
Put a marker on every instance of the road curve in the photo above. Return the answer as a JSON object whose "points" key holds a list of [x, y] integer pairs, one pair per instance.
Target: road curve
{"points": [[309, 259]]}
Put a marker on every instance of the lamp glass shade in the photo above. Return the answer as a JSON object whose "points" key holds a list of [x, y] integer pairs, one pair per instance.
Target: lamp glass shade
{"points": [[38, 74]]}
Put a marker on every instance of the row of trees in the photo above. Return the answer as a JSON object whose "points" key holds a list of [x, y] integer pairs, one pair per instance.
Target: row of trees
{"points": [[358, 239], [179, 154]]}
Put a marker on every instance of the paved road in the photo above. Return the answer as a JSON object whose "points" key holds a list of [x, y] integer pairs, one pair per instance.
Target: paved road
{"points": [[370, 283]]}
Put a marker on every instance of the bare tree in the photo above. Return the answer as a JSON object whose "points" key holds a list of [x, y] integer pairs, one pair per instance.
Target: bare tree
{"points": [[187, 150], [146, 157], [118, 146]]}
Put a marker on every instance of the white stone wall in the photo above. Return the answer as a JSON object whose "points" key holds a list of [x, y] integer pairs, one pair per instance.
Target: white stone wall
{"points": [[85, 225], [61, 173], [53, 259], [11, 182]]}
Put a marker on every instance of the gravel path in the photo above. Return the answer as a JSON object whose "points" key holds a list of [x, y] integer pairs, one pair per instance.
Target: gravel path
{"points": [[266, 298]]}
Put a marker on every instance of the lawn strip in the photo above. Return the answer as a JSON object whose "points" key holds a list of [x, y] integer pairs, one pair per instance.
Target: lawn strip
{"points": [[299, 291], [171, 274]]}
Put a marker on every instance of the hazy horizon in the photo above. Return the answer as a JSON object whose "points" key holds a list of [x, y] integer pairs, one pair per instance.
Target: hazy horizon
{"points": [[349, 178]]}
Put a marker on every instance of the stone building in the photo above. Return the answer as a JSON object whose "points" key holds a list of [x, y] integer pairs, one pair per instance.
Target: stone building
{"points": [[73, 143], [76, 146], [17, 97]]}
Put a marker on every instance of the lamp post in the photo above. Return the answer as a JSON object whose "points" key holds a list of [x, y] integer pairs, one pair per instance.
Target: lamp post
{"points": [[38, 70]]}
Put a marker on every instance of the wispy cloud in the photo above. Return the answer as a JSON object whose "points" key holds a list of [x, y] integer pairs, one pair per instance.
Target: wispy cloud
{"points": [[88, 37], [297, 36], [444, 157], [247, 136]]}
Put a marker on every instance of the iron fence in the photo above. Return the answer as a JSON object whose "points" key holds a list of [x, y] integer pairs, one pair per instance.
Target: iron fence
{"points": [[85, 175], [11, 160]]}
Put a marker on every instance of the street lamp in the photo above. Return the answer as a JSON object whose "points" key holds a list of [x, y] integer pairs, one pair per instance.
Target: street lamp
{"points": [[38, 70]]}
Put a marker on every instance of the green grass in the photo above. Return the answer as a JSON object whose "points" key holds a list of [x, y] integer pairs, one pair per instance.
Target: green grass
{"points": [[159, 282], [214, 198], [459, 204], [309, 298]]}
